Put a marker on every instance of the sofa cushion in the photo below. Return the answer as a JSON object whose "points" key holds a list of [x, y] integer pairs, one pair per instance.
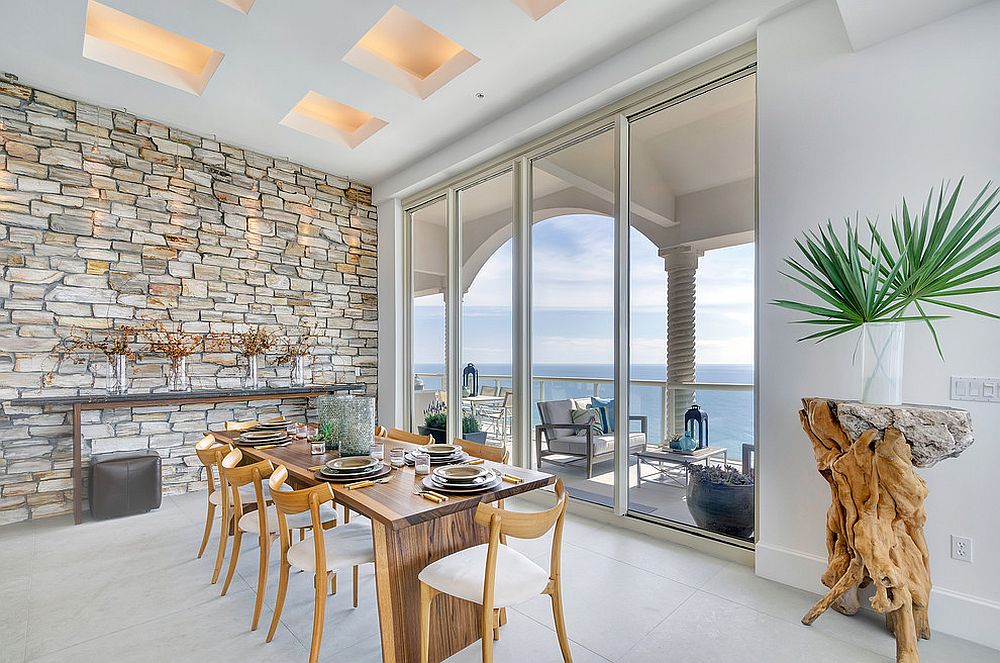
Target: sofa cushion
{"points": [[606, 406], [588, 415], [577, 444]]}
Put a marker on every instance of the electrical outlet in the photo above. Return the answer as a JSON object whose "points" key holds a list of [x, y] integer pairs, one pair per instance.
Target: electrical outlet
{"points": [[961, 548]]}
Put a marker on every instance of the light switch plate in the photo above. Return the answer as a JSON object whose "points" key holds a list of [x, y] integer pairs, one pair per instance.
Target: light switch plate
{"points": [[975, 389]]}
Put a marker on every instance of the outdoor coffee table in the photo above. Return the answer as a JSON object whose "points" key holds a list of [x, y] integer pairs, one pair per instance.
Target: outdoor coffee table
{"points": [[671, 467]]}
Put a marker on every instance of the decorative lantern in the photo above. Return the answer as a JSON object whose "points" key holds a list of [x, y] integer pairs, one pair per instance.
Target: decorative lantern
{"points": [[470, 380], [696, 423]]}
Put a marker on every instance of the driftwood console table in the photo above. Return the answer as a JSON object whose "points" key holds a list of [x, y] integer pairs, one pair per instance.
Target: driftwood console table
{"points": [[109, 402], [875, 524]]}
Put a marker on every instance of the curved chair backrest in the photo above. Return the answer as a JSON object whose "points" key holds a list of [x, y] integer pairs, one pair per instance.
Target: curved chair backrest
{"points": [[237, 476], [521, 525], [487, 391], [240, 426], [290, 502], [484, 451], [406, 436], [381, 431], [210, 453]]}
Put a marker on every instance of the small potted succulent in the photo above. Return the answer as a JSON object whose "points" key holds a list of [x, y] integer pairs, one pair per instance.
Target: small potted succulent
{"points": [[720, 499], [436, 424]]}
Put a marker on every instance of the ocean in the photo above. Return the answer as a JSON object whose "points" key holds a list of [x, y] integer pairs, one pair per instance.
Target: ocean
{"points": [[730, 413]]}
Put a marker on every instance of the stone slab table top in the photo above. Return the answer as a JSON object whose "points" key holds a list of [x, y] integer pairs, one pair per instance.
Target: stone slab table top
{"points": [[933, 432]]}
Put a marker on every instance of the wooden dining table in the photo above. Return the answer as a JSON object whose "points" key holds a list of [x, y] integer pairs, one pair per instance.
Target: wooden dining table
{"points": [[409, 532]]}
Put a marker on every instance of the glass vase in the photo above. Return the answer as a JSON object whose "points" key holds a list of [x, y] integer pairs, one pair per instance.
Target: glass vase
{"points": [[117, 377], [299, 370], [177, 376], [252, 379], [358, 429], [882, 362], [329, 411]]}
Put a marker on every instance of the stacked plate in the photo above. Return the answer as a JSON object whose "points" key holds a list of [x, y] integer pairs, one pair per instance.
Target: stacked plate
{"points": [[462, 479], [353, 468], [440, 454], [256, 438], [272, 425]]}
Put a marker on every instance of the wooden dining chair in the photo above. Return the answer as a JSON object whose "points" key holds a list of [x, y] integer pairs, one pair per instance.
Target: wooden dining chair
{"points": [[210, 452], [323, 553], [496, 576], [484, 451], [406, 436], [381, 431], [262, 521]]}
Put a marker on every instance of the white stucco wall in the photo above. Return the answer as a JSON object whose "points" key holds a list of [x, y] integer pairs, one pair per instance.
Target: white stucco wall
{"points": [[841, 131]]}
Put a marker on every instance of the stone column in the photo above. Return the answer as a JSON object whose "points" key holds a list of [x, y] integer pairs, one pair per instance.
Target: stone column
{"points": [[681, 264]]}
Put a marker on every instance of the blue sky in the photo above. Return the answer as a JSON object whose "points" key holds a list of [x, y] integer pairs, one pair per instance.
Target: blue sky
{"points": [[573, 298]]}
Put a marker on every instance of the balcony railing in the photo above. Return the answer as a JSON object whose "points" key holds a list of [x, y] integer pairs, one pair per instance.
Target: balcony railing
{"points": [[667, 391]]}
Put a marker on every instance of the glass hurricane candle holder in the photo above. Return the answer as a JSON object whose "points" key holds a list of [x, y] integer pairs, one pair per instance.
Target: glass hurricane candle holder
{"points": [[358, 426]]}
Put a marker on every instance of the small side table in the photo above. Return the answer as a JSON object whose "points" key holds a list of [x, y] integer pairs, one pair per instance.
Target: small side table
{"points": [[670, 465]]}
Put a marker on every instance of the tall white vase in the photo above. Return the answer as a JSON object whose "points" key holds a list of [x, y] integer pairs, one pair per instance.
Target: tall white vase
{"points": [[882, 362]]}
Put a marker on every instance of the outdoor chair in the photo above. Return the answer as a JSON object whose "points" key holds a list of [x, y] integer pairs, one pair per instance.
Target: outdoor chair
{"points": [[562, 437]]}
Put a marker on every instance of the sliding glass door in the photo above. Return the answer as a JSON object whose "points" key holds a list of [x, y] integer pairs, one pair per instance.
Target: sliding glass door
{"points": [[588, 303], [692, 217], [573, 314]]}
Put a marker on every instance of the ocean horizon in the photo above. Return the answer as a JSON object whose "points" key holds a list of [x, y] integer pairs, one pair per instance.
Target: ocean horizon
{"points": [[730, 413]]}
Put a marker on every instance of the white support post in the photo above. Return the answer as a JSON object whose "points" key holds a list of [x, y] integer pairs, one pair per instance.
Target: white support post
{"points": [[453, 316], [621, 272], [521, 316], [681, 264]]}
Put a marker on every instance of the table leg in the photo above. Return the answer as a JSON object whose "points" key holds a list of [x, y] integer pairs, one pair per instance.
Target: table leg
{"points": [[400, 555], [77, 468]]}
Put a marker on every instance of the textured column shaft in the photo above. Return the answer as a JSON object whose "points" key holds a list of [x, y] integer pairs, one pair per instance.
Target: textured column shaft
{"points": [[682, 267]]}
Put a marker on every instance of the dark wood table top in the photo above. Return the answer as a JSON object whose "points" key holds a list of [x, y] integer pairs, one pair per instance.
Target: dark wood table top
{"points": [[393, 503]]}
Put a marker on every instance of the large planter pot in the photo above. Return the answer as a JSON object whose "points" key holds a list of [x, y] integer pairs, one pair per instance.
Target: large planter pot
{"points": [[441, 435], [721, 508]]}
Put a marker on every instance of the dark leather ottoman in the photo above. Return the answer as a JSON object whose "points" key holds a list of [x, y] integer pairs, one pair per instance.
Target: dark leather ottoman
{"points": [[124, 483]]}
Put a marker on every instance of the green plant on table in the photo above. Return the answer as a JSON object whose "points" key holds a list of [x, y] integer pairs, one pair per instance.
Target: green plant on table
{"points": [[326, 431], [933, 256]]}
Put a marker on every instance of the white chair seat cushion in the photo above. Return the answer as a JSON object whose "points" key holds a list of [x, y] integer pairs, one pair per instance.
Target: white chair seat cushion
{"points": [[346, 545], [463, 574], [250, 522], [247, 494]]}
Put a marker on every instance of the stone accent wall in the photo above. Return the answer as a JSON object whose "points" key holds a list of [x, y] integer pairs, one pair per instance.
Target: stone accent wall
{"points": [[107, 218]]}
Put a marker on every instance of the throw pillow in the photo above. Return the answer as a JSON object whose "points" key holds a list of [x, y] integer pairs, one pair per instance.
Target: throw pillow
{"points": [[587, 416], [606, 406]]}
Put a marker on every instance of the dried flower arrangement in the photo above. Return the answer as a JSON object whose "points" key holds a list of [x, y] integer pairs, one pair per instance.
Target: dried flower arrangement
{"points": [[113, 343], [299, 347], [254, 342], [173, 344]]}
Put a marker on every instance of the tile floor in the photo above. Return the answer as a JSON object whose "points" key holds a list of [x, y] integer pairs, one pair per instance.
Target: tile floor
{"points": [[131, 590]]}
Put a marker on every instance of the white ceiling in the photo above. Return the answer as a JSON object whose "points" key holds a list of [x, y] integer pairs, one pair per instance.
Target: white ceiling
{"points": [[283, 49]]}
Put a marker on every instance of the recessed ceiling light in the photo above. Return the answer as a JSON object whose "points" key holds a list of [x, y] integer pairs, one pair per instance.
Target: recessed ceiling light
{"points": [[537, 8], [122, 41], [402, 50], [239, 5], [328, 119]]}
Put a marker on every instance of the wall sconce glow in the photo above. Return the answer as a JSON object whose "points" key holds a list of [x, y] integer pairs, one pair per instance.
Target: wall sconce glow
{"points": [[122, 41], [402, 50], [239, 5], [537, 8], [331, 120]]}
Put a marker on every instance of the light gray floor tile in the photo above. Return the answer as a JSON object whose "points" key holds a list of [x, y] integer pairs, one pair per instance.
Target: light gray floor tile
{"points": [[610, 605], [708, 628], [210, 632], [131, 589]]}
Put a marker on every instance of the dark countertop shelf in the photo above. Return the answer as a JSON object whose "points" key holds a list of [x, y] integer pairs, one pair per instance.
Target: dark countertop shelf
{"points": [[154, 397]]}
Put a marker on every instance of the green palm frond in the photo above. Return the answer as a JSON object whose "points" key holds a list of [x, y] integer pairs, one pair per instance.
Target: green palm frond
{"points": [[932, 256]]}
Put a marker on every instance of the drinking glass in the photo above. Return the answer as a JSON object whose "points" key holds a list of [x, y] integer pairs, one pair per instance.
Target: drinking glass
{"points": [[421, 462], [396, 457], [377, 451]]}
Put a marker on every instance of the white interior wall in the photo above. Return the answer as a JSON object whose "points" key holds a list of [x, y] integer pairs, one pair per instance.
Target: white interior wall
{"points": [[841, 131]]}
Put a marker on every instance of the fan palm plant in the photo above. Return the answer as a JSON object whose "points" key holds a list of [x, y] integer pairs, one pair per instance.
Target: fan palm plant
{"points": [[933, 257]]}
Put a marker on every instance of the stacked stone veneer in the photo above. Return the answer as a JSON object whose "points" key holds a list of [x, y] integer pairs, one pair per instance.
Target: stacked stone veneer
{"points": [[107, 218]]}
